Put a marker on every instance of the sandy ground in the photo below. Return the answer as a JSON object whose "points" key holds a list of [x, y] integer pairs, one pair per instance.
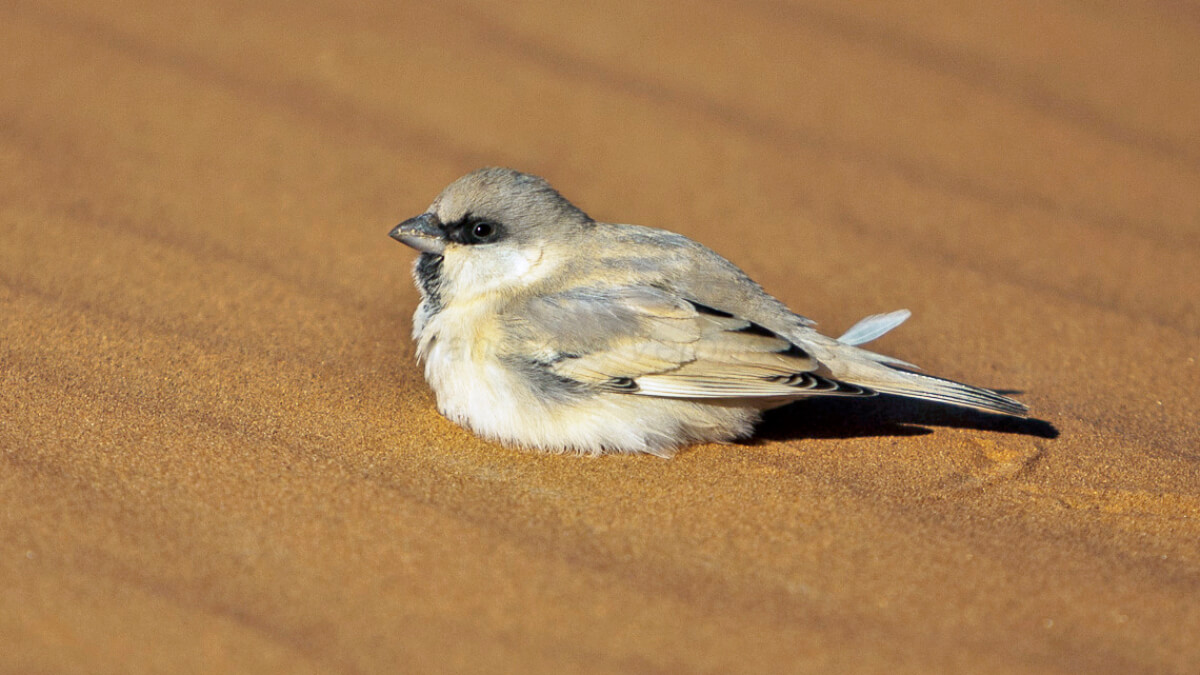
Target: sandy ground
{"points": [[218, 454]]}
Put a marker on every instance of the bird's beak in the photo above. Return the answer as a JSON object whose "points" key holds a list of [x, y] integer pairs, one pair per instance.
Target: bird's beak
{"points": [[423, 233]]}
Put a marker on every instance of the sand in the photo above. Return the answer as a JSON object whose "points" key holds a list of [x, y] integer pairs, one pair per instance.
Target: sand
{"points": [[218, 454]]}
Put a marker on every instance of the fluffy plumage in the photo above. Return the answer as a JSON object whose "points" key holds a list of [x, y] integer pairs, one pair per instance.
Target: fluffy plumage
{"points": [[543, 328]]}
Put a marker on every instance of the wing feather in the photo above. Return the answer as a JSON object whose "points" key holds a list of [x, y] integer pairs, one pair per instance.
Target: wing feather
{"points": [[646, 341]]}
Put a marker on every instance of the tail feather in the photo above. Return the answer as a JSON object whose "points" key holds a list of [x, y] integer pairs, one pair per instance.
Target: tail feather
{"points": [[873, 327], [929, 388], [848, 362]]}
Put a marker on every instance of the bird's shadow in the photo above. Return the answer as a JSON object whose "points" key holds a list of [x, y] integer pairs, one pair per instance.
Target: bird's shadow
{"points": [[884, 415]]}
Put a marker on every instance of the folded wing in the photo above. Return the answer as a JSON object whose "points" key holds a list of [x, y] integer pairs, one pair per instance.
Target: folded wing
{"points": [[645, 341]]}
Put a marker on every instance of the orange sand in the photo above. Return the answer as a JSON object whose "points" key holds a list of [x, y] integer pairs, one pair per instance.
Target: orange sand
{"points": [[217, 453]]}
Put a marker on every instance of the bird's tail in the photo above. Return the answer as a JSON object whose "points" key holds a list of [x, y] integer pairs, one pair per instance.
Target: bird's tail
{"points": [[929, 388], [887, 375]]}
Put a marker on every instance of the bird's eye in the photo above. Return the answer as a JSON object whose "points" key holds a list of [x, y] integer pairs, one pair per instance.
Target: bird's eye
{"points": [[483, 230], [478, 231]]}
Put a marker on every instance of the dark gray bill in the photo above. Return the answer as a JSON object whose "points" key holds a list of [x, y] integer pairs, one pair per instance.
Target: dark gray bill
{"points": [[423, 233]]}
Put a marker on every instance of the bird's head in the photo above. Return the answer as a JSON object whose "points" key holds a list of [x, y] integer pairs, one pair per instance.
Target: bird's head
{"points": [[494, 229]]}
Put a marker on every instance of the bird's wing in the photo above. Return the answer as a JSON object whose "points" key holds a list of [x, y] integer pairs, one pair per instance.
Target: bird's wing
{"points": [[646, 341]]}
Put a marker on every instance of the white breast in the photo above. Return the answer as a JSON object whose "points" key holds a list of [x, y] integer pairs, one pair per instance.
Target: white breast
{"points": [[472, 385], [476, 389]]}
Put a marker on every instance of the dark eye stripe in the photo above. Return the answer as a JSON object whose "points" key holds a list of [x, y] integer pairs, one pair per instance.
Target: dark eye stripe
{"points": [[472, 229]]}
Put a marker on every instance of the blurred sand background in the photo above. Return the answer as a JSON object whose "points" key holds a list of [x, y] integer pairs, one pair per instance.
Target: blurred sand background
{"points": [[218, 455]]}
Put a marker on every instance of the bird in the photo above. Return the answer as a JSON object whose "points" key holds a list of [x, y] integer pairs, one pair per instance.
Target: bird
{"points": [[542, 328]]}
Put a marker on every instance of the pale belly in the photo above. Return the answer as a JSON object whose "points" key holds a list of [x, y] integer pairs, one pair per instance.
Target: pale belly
{"points": [[478, 390]]}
